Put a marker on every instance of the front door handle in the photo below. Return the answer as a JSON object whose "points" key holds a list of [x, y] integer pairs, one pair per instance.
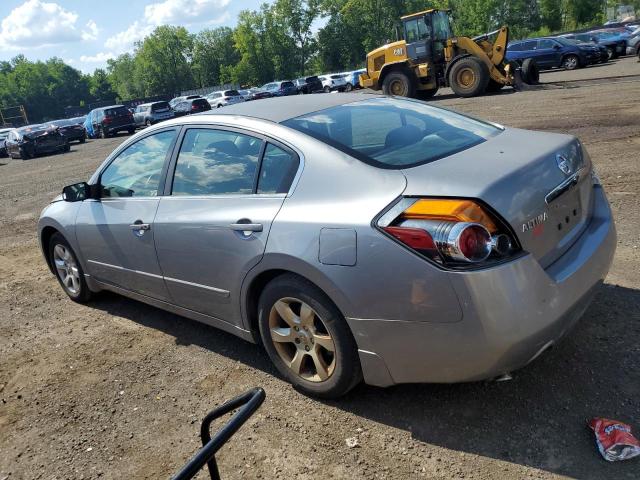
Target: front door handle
{"points": [[138, 226], [246, 227]]}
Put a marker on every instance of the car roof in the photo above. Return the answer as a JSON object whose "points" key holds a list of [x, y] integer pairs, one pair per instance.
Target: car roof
{"points": [[110, 106], [279, 109]]}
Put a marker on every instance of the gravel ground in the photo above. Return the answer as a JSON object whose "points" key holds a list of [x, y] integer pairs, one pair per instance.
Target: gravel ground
{"points": [[117, 389]]}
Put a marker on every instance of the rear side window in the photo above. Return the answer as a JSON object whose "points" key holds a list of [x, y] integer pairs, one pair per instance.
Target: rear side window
{"points": [[286, 85], [532, 45], [277, 171], [546, 43], [160, 106], [405, 133], [216, 162], [135, 172]]}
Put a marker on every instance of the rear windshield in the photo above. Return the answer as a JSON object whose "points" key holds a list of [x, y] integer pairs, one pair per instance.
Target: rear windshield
{"points": [[156, 107], [394, 133], [231, 93], [63, 123], [312, 79], [287, 85], [335, 77], [200, 101], [116, 111]]}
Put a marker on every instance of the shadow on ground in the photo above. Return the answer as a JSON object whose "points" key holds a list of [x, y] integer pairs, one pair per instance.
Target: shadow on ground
{"points": [[538, 419]]}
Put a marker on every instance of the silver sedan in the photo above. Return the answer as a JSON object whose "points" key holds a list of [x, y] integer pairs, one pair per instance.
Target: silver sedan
{"points": [[356, 237]]}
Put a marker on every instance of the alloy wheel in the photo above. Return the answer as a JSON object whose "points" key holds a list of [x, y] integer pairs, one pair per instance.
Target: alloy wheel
{"points": [[302, 340], [66, 269]]}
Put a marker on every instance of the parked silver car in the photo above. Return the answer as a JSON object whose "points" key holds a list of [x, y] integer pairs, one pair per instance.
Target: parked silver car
{"points": [[354, 236], [149, 114], [224, 98]]}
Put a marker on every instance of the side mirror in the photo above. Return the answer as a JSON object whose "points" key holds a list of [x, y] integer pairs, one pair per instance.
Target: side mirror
{"points": [[76, 192]]}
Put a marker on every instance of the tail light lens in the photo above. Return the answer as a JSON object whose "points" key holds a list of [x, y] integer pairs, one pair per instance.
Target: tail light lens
{"points": [[107, 120], [455, 233]]}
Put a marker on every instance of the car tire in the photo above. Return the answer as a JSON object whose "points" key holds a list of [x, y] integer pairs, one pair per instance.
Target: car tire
{"points": [[67, 269], [26, 154], [83, 139], [66, 148], [131, 131], [469, 77], [103, 133], [399, 84], [611, 53], [326, 90], [348, 87], [147, 123], [571, 62], [314, 327], [530, 72]]}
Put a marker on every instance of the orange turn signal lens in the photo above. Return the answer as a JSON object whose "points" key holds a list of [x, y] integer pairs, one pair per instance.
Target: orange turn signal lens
{"points": [[451, 210]]}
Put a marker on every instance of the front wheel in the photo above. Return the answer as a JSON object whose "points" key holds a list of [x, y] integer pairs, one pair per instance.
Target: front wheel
{"points": [[469, 77], [68, 270], [348, 87], [147, 123], [327, 90], [400, 84], [103, 133], [307, 338], [611, 53], [571, 62]]}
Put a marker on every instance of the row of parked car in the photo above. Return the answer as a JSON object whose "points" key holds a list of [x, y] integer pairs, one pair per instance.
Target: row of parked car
{"points": [[576, 50], [31, 140]]}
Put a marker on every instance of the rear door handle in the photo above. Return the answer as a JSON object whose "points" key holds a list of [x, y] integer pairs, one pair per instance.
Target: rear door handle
{"points": [[246, 227]]}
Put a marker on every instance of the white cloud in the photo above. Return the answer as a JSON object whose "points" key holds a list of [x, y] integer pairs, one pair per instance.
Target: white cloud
{"points": [[92, 31], [186, 12], [100, 57], [37, 24], [123, 41]]}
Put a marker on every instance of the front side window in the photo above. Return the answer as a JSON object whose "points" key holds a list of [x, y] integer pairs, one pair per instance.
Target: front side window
{"points": [[411, 31], [216, 162], [405, 134], [546, 44], [136, 171], [277, 171]]}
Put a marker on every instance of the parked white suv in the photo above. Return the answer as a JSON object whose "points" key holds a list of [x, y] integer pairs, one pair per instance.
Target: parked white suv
{"points": [[223, 98], [333, 82]]}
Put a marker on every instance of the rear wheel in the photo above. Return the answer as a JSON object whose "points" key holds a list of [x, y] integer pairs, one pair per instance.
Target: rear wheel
{"points": [[611, 53], [469, 77], [398, 84], [307, 338], [530, 72], [348, 87], [147, 123], [103, 133], [68, 270], [26, 153], [327, 89], [571, 62]]}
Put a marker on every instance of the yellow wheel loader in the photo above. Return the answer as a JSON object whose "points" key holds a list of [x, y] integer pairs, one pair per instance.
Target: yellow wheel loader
{"points": [[430, 57]]}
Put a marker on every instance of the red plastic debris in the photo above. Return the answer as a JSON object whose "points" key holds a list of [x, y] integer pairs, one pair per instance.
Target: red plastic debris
{"points": [[614, 439]]}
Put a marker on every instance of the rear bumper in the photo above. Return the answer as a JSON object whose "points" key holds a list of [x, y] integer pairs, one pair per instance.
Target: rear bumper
{"points": [[511, 314], [120, 128]]}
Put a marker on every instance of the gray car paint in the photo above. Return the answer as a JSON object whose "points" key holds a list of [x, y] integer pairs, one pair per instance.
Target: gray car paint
{"points": [[412, 321]]}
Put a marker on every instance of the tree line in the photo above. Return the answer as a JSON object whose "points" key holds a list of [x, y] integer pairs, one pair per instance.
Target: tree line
{"points": [[280, 40]]}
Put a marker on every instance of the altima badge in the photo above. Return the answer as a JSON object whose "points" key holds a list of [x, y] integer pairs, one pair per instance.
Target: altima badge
{"points": [[534, 222], [563, 164]]}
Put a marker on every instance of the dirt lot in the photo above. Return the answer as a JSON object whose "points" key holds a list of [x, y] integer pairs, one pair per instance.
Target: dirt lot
{"points": [[117, 389]]}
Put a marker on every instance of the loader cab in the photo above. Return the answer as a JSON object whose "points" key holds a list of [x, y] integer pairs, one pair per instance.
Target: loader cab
{"points": [[426, 34]]}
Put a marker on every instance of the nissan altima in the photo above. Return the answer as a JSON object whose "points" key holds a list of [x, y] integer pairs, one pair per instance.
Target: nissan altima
{"points": [[356, 236]]}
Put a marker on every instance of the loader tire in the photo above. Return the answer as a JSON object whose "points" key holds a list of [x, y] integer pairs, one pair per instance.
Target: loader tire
{"points": [[530, 72], [399, 84], [469, 77]]}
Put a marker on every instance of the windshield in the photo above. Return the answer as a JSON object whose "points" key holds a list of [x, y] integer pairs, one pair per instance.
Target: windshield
{"points": [[566, 41], [406, 133]]}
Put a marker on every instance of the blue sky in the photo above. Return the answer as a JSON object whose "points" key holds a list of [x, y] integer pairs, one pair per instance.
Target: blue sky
{"points": [[85, 33]]}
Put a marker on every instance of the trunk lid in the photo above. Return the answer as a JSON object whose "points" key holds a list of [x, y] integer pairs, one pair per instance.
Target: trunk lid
{"points": [[518, 174]]}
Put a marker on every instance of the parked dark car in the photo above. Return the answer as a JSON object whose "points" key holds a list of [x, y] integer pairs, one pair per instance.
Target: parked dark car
{"points": [[70, 129], [187, 107], [4, 133], [280, 88], [308, 84], [614, 47], [604, 53], [259, 94], [149, 114], [27, 142], [106, 121], [553, 53], [174, 101]]}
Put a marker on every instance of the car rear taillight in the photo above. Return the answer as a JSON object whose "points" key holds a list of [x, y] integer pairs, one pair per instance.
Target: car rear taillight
{"points": [[194, 107], [108, 120], [451, 232]]}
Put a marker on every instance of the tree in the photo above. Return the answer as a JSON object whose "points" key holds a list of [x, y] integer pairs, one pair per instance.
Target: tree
{"points": [[213, 51], [297, 17], [123, 77], [551, 12], [100, 87], [162, 61]]}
